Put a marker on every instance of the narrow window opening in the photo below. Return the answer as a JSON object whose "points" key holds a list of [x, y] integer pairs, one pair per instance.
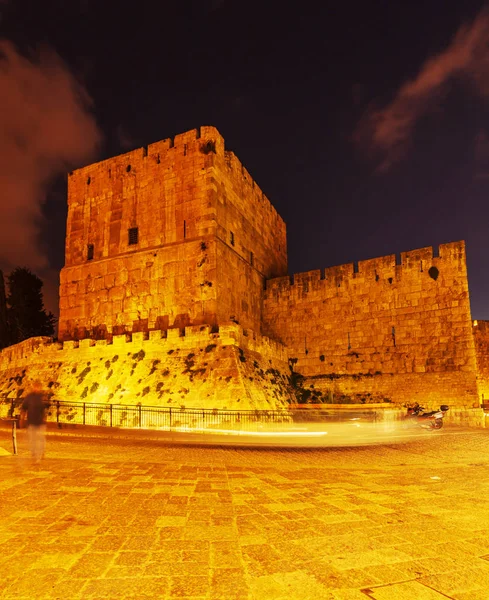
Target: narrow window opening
{"points": [[89, 181], [231, 238], [133, 236], [128, 168], [185, 149], [184, 229], [349, 342], [208, 147], [158, 160], [90, 249], [421, 266], [252, 259], [394, 336], [110, 173]]}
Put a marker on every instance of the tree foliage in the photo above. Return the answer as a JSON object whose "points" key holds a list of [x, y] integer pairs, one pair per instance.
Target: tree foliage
{"points": [[22, 312], [4, 331]]}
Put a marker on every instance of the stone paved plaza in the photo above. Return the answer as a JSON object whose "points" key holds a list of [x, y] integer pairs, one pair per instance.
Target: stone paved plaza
{"points": [[114, 518]]}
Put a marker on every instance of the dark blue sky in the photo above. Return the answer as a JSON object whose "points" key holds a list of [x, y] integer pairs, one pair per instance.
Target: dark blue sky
{"points": [[289, 89]]}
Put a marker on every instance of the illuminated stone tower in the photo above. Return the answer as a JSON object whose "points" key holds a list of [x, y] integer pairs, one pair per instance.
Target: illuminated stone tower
{"points": [[170, 235]]}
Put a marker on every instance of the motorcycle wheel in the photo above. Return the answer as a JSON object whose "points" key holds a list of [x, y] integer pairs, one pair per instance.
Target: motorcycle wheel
{"points": [[437, 424]]}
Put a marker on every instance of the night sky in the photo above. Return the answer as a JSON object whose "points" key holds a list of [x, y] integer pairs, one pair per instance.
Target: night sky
{"points": [[365, 123]]}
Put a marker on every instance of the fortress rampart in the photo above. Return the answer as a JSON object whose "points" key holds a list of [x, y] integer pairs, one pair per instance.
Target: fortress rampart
{"points": [[231, 335], [481, 339], [176, 290], [191, 367], [377, 324], [170, 235]]}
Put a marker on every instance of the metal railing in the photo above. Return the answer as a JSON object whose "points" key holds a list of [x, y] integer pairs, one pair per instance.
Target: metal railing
{"points": [[187, 419]]}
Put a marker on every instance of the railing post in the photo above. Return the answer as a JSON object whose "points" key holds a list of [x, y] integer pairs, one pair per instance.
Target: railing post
{"points": [[14, 435], [140, 424], [84, 408], [57, 411], [111, 415], [170, 419]]}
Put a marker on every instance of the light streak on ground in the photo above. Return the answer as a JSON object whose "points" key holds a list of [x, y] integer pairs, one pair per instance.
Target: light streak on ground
{"points": [[307, 435]]}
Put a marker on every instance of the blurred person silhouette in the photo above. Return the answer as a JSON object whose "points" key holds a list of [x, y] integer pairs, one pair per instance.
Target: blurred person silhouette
{"points": [[34, 408]]}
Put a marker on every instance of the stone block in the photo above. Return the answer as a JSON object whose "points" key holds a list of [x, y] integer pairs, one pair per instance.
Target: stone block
{"points": [[174, 334], [86, 343], [138, 338], [70, 345], [155, 335]]}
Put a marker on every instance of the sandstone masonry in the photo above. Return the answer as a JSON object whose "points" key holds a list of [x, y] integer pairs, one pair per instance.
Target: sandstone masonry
{"points": [[170, 235], [173, 249]]}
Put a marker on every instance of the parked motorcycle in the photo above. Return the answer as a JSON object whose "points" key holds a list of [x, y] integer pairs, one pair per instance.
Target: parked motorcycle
{"points": [[427, 420]]}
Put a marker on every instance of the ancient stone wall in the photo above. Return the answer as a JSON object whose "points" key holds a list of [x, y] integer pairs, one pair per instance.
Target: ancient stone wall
{"points": [[178, 235], [247, 223], [251, 244], [164, 287], [191, 368], [481, 338], [206, 238], [400, 330]]}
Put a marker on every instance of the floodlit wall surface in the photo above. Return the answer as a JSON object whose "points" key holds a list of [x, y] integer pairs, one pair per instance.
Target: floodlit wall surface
{"points": [[211, 250], [402, 331], [230, 369], [481, 337], [172, 286], [206, 239], [251, 246]]}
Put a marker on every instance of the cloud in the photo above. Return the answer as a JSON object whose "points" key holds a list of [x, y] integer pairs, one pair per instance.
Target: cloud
{"points": [[386, 133], [46, 128], [124, 139], [481, 155]]}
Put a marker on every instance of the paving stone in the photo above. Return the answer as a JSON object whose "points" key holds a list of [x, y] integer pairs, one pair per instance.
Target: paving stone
{"points": [[189, 586], [405, 591], [293, 525]]}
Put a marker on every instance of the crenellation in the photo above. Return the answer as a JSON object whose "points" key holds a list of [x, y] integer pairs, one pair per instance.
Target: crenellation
{"points": [[182, 139], [339, 273], [307, 277], [184, 371], [382, 270], [416, 259], [278, 284], [86, 343]]}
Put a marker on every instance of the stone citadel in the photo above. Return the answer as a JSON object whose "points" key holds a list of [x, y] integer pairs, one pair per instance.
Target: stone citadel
{"points": [[175, 290]]}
